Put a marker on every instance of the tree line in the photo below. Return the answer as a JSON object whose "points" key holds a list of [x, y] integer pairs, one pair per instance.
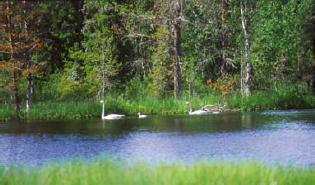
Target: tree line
{"points": [[88, 48]]}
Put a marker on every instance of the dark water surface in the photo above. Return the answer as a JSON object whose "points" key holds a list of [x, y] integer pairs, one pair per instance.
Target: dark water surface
{"points": [[285, 137]]}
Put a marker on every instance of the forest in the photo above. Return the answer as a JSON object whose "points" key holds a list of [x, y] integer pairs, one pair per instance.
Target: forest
{"points": [[157, 92], [59, 58]]}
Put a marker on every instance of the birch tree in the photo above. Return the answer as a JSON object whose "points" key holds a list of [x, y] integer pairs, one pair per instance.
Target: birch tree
{"points": [[246, 80], [29, 31]]}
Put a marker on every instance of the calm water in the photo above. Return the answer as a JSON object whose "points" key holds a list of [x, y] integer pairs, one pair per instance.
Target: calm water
{"points": [[286, 137]]}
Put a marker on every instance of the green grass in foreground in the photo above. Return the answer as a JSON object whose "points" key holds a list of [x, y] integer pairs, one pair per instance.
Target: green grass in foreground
{"points": [[106, 172], [259, 100]]}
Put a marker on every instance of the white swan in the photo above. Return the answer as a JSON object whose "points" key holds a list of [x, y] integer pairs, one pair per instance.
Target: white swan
{"points": [[141, 115], [199, 112], [109, 116], [214, 109], [202, 111]]}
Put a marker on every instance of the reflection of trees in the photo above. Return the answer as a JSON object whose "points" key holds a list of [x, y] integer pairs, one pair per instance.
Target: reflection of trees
{"points": [[117, 128], [178, 125], [167, 124], [197, 124], [227, 122], [246, 120]]}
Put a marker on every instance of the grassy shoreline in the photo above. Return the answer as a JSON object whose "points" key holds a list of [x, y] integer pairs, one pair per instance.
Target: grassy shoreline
{"points": [[86, 109], [109, 172]]}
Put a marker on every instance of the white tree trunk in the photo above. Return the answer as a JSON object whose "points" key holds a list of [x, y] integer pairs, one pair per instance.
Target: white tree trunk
{"points": [[30, 83], [247, 77]]}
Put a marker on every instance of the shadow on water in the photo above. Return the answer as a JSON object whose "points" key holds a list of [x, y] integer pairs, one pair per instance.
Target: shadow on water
{"points": [[187, 124], [277, 136]]}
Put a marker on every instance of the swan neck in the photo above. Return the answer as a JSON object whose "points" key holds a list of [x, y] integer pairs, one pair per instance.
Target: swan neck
{"points": [[103, 110], [190, 109]]}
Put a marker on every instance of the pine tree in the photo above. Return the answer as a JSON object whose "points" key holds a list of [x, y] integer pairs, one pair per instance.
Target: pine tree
{"points": [[99, 53], [18, 41]]}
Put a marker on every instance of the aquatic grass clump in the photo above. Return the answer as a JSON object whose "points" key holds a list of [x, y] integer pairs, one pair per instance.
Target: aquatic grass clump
{"points": [[152, 105], [85, 109], [109, 172], [262, 100], [6, 112], [309, 101], [257, 101], [49, 110]]}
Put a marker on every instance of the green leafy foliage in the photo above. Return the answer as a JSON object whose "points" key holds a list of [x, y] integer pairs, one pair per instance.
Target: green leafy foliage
{"points": [[278, 47], [161, 74]]}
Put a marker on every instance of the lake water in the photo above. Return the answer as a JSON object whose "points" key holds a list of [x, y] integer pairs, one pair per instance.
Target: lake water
{"points": [[281, 137]]}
